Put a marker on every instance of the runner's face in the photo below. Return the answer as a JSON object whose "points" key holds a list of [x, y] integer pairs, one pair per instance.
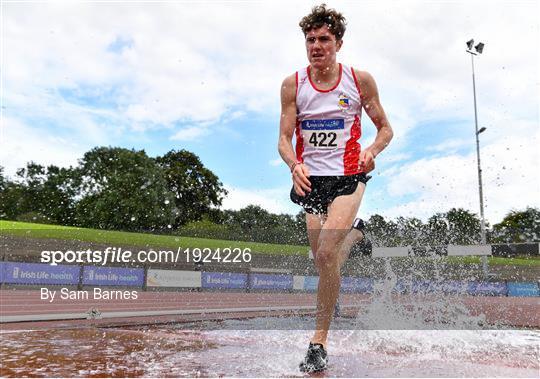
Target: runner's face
{"points": [[321, 47]]}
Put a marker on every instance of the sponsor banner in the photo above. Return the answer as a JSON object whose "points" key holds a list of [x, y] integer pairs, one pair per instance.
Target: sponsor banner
{"points": [[454, 287], [358, 285], [40, 273], [223, 280], [173, 278], [423, 286], [402, 286], [487, 288], [113, 276], [427, 286], [311, 283], [270, 282], [523, 289], [2, 267], [365, 285], [298, 282]]}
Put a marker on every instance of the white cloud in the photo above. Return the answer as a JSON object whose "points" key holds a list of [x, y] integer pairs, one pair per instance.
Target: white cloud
{"points": [[276, 162], [390, 157], [173, 69], [450, 145], [190, 133], [22, 144], [183, 64], [235, 115]]}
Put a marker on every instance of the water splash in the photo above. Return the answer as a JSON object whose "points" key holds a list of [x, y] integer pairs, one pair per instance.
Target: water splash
{"points": [[173, 351], [424, 310]]}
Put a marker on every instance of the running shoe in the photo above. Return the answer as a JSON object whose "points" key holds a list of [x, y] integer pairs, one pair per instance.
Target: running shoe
{"points": [[316, 359], [362, 248]]}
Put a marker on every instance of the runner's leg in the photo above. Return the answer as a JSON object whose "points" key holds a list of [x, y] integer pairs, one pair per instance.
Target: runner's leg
{"points": [[314, 223], [341, 214], [354, 235]]}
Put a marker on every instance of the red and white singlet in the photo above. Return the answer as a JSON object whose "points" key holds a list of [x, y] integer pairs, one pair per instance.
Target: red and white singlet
{"points": [[328, 124]]}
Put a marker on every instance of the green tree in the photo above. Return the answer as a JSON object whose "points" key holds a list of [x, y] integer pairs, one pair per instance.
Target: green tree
{"points": [[60, 192], [9, 197], [123, 189], [40, 194], [463, 227], [376, 227], [519, 226], [54, 189], [252, 217], [411, 231], [254, 223], [197, 190], [437, 230], [214, 215], [3, 179], [12, 201], [298, 229], [31, 181], [382, 232]]}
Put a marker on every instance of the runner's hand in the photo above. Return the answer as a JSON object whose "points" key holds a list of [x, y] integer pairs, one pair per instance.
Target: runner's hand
{"points": [[367, 161], [300, 177]]}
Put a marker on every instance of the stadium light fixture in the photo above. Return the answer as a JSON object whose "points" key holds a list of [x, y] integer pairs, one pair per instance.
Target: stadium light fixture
{"points": [[479, 49]]}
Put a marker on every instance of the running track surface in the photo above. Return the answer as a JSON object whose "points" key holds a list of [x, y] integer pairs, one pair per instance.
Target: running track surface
{"points": [[196, 306]]}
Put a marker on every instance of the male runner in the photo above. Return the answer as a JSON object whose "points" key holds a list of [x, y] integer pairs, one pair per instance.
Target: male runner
{"points": [[322, 105]]}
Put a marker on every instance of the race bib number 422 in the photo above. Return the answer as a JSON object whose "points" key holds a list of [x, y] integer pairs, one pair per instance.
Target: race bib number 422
{"points": [[324, 134]]}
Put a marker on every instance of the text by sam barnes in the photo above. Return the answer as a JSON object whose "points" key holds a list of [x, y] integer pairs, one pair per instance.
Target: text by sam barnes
{"points": [[95, 294]]}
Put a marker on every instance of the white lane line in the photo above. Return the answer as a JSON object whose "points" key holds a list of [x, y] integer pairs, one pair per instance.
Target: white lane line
{"points": [[73, 316]]}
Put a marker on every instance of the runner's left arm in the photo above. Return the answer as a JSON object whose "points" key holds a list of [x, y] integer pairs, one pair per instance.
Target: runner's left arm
{"points": [[375, 111]]}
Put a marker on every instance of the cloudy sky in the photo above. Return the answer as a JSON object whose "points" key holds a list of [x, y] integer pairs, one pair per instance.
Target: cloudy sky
{"points": [[205, 76]]}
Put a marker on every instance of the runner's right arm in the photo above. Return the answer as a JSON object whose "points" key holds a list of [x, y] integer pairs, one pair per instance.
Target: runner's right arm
{"points": [[287, 124]]}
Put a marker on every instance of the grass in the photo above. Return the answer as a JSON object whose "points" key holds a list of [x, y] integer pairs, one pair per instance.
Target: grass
{"points": [[155, 241], [518, 261]]}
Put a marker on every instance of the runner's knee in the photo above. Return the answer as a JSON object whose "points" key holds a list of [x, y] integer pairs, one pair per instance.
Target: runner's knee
{"points": [[327, 257]]}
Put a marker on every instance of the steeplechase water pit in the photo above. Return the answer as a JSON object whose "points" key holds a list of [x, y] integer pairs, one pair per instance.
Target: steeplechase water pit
{"points": [[434, 338], [191, 351]]}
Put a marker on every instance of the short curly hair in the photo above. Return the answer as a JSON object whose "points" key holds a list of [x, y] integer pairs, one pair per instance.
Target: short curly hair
{"points": [[320, 16]]}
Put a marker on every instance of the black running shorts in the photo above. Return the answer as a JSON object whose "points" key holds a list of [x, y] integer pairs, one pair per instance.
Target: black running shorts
{"points": [[324, 189]]}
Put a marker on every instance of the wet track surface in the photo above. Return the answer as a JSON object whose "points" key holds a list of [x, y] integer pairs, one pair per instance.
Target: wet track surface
{"points": [[202, 350]]}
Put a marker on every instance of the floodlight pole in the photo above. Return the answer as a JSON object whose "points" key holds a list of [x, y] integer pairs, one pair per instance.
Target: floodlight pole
{"points": [[477, 133]]}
